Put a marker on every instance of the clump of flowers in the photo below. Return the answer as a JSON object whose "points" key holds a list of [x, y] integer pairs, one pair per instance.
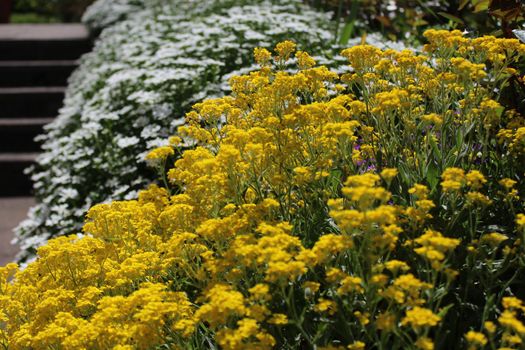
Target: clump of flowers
{"points": [[133, 90], [315, 211]]}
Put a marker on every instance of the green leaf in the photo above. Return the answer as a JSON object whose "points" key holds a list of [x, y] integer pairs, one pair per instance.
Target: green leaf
{"points": [[459, 138], [505, 9], [348, 30], [347, 33], [451, 17], [500, 111], [481, 6], [443, 311], [462, 4], [432, 175], [435, 148]]}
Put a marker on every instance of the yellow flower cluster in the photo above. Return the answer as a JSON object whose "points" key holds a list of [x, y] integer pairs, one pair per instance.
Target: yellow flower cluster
{"points": [[305, 217], [434, 247]]}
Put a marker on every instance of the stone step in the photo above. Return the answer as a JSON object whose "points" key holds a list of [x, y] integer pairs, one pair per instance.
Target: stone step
{"points": [[17, 134], [43, 41], [23, 102], [15, 182], [36, 73]]}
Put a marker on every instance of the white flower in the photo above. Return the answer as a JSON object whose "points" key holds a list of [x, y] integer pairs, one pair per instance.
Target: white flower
{"points": [[125, 142]]}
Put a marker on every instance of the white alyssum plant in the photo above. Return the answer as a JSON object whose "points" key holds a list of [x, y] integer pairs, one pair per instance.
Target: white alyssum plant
{"points": [[104, 13]]}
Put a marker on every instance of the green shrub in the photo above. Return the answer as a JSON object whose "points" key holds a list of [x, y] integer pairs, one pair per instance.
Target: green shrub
{"points": [[65, 10]]}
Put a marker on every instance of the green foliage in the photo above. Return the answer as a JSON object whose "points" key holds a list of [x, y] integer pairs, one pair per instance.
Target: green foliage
{"points": [[400, 19], [32, 17], [48, 10]]}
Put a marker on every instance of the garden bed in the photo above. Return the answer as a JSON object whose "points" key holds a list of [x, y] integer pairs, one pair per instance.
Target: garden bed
{"points": [[364, 197]]}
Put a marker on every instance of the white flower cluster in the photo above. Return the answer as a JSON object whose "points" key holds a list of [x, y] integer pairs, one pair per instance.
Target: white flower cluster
{"points": [[133, 90], [106, 12]]}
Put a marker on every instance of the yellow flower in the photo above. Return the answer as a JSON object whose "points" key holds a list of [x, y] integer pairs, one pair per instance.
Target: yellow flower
{"points": [[434, 246], [387, 101], [507, 183], [304, 60], [328, 246], [388, 174], [476, 198], [432, 118], [262, 56], [175, 141], [326, 306], [278, 319], [420, 191], [425, 343], [513, 303], [490, 327], [509, 320], [357, 345], [475, 179], [303, 175], [285, 49], [468, 69], [159, 154], [476, 338], [223, 303], [363, 318], [248, 334], [419, 317], [285, 271], [426, 205], [395, 265], [511, 339], [520, 220], [406, 289], [386, 321], [260, 292], [362, 57], [311, 287], [492, 111], [350, 284], [442, 39], [453, 179], [379, 279], [494, 238], [362, 189], [334, 275]]}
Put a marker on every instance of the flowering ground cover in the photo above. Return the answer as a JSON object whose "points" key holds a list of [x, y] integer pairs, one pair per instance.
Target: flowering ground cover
{"points": [[381, 208], [132, 91]]}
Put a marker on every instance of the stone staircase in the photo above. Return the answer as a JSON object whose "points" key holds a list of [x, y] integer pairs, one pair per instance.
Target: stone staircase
{"points": [[35, 63]]}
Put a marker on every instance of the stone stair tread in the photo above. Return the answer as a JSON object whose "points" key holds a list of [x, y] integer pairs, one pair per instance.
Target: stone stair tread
{"points": [[25, 121], [21, 73], [17, 157], [31, 101], [43, 41], [17, 135], [48, 32], [38, 63], [32, 90]]}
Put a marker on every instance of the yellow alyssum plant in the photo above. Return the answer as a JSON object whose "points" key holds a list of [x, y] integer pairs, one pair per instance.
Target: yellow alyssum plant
{"points": [[377, 209]]}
